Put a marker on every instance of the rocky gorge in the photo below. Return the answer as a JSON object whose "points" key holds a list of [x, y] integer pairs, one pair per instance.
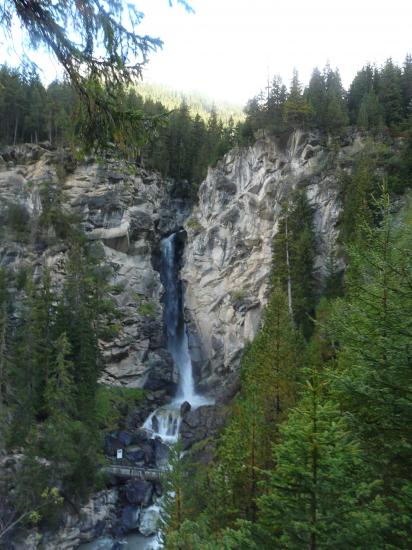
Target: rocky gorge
{"points": [[226, 260]]}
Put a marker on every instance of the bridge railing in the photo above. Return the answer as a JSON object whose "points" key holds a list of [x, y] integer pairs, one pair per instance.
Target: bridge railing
{"points": [[122, 470]]}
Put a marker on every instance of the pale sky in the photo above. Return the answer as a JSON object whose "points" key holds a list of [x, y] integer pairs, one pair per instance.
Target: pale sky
{"points": [[227, 47]]}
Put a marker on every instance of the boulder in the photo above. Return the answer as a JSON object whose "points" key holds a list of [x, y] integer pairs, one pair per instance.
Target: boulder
{"points": [[201, 423], [125, 438], [130, 518], [161, 373], [185, 408], [104, 543], [148, 449], [139, 492], [161, 452], [136, 457], [140, 222], [111, 444], [140, 436], [92, 522], [155, 424], [153, 330], [91, 529], [158, 489], [223, 183]]}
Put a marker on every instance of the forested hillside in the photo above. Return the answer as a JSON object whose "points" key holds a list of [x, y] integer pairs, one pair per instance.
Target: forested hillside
{"points": [[198, 104], [182, 136], [52, 407], [317, 448], [316, 445], [181, 139]]}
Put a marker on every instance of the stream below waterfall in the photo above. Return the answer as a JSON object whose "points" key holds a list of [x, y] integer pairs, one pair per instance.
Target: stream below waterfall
{"points": [[164, 422]]}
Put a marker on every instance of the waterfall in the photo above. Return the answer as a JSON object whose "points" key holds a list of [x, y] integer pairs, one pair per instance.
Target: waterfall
{"points": [[165, 421], [177, 341]]}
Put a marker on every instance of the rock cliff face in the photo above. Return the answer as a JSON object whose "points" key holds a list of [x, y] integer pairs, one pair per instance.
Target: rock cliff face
{"points": [[124, 211], [94, 518], [228, 253]]}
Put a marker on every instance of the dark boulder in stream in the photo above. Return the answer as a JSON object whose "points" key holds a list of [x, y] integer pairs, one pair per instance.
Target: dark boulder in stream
{"points": [[130, 518], [139, 492]]}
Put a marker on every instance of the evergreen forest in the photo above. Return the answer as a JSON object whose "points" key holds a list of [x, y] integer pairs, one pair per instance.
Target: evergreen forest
{"points": [[316, 450], [178, 139]]}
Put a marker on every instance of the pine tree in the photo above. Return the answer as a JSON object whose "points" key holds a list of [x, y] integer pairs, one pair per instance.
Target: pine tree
{"points": [[336, 115], [193, 536], [373, 327], [23, 374], [370, 112], [406, 84], [58, 444], [255, 118], [42, 317], [362, 84], [213, 137], [197, 150], [357, 200], [269, 381], [273, 358], [36, 497], [275, 105], [294, 251], [173, 512], [296, 110], [77, 315], [60, 390], [316, 95], [34, 123], [390, 93], [314, 495], [241, 454]]}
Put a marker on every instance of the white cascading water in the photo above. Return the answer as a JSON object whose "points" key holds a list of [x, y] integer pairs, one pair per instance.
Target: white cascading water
{"points": [[165, 421]]}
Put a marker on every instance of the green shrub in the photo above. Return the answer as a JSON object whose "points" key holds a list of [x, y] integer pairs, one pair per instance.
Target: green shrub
{"points": [[238, 295], [118, 288], [148, 309], [195, 225], [18, 219], [114, 403], [21, 277], [110, 331], [137, 296]]}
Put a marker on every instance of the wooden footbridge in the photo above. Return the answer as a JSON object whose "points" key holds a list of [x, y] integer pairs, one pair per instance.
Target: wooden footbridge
{"points": [[124, 471]]}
